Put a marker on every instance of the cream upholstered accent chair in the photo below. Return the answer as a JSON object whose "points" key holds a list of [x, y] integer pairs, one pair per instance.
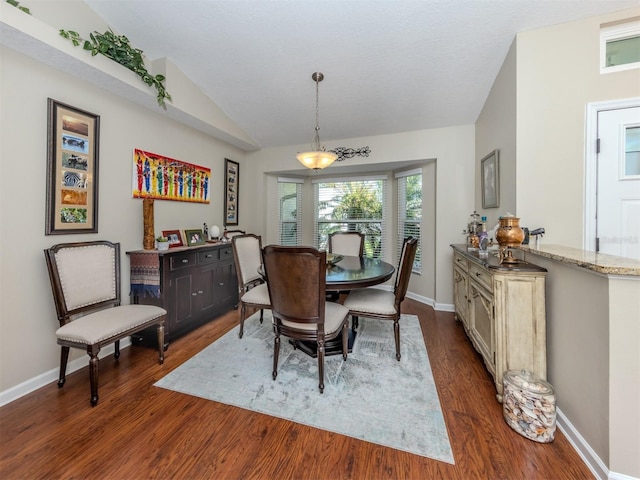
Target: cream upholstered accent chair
{"points": [[377, 303], [296, 277], [85, 279], [252, 289], [346, 243]]}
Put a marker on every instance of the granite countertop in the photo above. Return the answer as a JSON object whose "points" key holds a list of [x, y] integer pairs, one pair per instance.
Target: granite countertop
{"points": [[598, 262]]}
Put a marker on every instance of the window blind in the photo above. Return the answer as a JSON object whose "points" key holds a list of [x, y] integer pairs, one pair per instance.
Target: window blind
{"points": [[410, 212], [289, 215], [351, 205]]}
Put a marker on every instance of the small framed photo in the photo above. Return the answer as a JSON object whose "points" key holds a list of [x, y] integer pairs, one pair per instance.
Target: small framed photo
{"points": [[231, 191], [174, 236], [194, 237], [490, 180], [73, 138]]}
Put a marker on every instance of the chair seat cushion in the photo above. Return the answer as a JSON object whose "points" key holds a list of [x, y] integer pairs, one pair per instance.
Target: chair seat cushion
{"points": [[334, 315], [108, 323], [371, 300], [257, 295]]}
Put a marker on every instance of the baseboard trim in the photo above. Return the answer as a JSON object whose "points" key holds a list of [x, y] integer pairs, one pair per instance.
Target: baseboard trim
{"points": [[51, 376]]}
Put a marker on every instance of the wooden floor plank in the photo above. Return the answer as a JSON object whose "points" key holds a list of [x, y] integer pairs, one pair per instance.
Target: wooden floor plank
{"points": [[138, 431]]}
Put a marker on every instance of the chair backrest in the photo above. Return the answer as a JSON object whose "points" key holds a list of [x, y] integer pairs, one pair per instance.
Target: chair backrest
{"points": [[296, 278], [84, 276], [247, 252], [405, 266], [235, 233], [346, 243]]}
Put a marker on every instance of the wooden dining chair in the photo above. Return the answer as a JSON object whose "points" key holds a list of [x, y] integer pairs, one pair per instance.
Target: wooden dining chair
{"points": [[377, 303], [346, 243], [252, 289], [85, 279], [296, 278]]}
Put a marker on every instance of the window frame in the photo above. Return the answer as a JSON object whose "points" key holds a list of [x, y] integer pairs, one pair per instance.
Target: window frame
{"points": [[401, 203], [298, 222], [318, 241], [613, 33]]}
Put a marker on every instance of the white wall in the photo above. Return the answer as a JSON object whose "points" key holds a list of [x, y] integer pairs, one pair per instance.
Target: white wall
{"points": [[451, 175], [27, 314], [557, 76], [496, 129]]}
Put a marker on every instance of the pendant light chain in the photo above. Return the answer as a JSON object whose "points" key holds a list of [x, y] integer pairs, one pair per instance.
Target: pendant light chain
{"points": [[316, 138]]}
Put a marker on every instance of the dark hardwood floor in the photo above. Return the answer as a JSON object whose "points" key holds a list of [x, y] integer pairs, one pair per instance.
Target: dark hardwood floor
{"points": [[138, 431]]}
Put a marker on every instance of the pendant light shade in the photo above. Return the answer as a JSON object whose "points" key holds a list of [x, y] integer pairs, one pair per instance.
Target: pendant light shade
{"points": [[317, 158]]}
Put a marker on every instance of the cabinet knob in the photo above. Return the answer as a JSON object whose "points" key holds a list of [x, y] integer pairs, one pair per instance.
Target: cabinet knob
{"points": [[477, 274], [199, 292], [185, 260], [208, 255], [194, 294]]}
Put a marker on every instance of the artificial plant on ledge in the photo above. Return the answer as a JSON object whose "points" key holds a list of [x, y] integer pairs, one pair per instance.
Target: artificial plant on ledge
{"points": [[118, 49], [16, 4]]}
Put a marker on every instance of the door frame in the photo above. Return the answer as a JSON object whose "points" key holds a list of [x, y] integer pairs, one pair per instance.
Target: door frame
{"points": [[591, 164]]}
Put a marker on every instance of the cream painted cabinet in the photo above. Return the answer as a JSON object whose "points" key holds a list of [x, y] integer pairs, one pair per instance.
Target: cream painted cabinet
{"points": [[502, 309]]}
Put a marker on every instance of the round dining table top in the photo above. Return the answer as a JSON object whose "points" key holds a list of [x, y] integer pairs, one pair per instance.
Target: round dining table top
{"points": [[351, 273]]}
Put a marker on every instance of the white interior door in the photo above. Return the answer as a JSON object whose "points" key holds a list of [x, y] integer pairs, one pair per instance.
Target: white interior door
{"points": [[618, 183]]}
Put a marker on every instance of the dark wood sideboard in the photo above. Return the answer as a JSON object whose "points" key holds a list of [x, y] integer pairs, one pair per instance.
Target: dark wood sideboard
{"points": [[194, 285]]}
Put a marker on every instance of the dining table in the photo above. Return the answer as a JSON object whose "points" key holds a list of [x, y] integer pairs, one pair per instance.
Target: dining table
{"points": [[345, 273]]}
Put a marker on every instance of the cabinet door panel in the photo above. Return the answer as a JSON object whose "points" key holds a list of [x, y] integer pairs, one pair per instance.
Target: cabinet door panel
{"points": [[460, 295], [183, 299], [482, 324], [228, 283], [208, 287]]}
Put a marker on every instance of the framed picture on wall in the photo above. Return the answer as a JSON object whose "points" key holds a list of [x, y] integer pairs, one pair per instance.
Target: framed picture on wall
{"points": [[73, 138], [490, 180], [231, 187]]}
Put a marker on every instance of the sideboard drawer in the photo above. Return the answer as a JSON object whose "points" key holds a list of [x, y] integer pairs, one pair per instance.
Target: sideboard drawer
{"points": [[182, 260], [208, 256], [226, 253], [482, 276], [460, 261]]}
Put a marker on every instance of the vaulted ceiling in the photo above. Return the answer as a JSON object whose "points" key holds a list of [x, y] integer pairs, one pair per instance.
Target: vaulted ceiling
{"points": [[390, 65]]}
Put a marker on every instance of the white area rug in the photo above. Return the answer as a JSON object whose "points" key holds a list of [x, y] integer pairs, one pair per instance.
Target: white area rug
{"points": [[371, 396]]}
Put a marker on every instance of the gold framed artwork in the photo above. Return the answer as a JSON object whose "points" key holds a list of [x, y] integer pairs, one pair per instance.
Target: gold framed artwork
{"points": [[163, 178], [490, 180], [73, 138], [231, 191]]}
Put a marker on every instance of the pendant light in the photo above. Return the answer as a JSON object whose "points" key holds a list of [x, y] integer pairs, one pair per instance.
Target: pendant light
{"points": [[317, 158]]}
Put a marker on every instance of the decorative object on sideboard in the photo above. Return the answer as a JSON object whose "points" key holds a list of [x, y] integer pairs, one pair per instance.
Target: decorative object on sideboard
{"points": [[346, 152], [73, 138], [509, 234], [163, 178], [317, 158], [162, 243], [147, 224], [194, 237], [174, 236], [231, 192], [538, 233], [214, 232], [117, 48]]}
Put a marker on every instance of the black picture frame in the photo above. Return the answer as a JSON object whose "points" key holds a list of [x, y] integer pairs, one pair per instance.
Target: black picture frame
{"points": [[73, 146], [231, 191], [490, 178]]}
